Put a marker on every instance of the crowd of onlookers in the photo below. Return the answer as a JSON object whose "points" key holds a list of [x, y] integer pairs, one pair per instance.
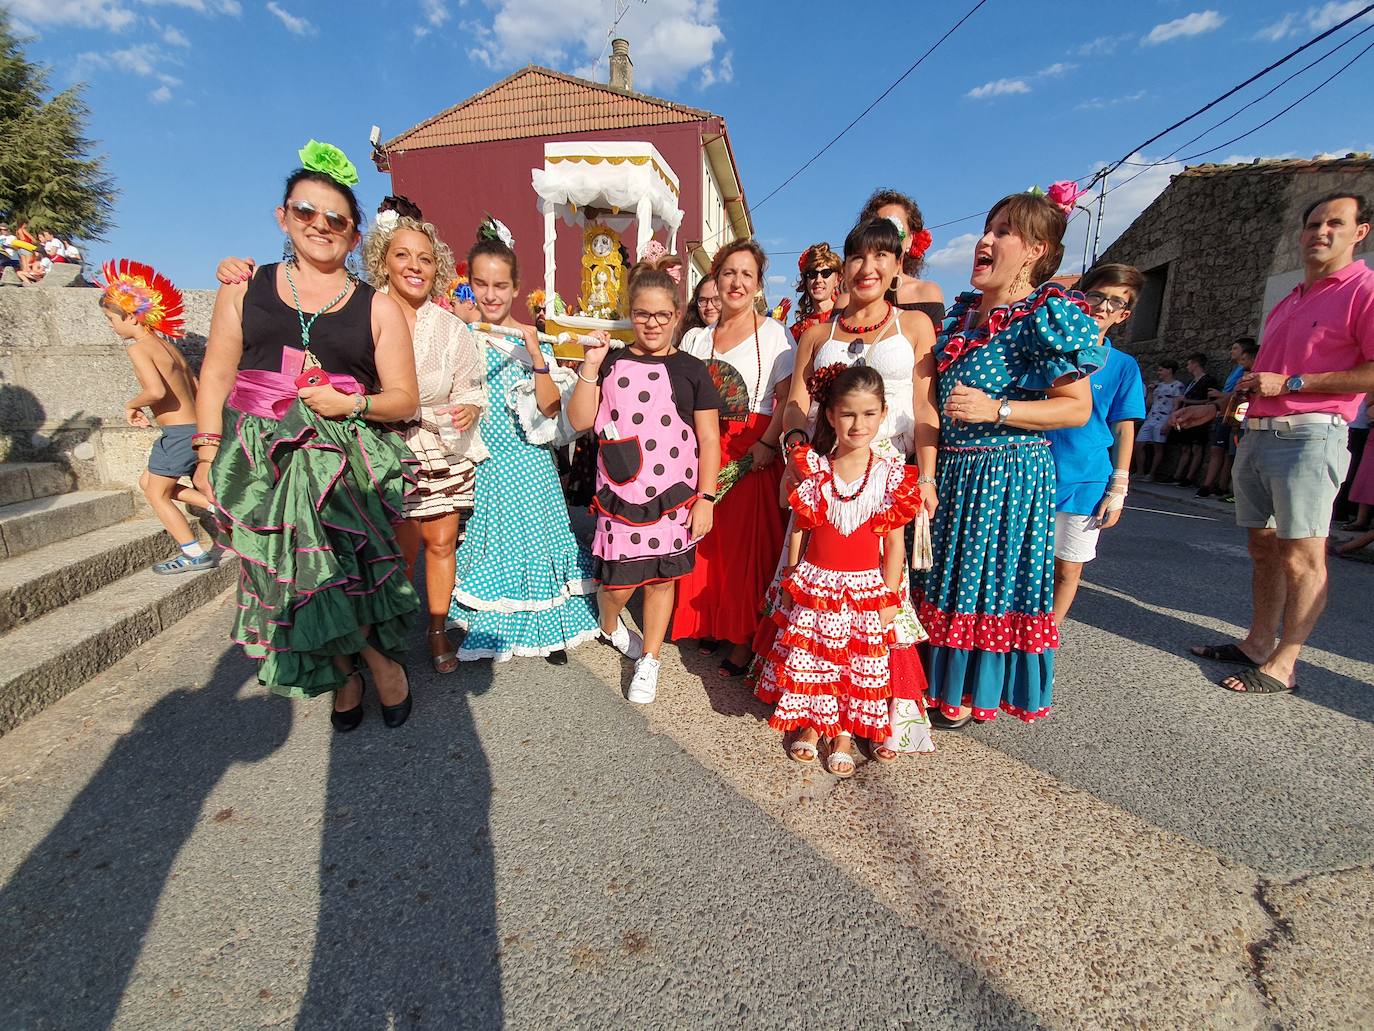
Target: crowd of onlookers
{"points": [[30, 256], [1199, 422]]}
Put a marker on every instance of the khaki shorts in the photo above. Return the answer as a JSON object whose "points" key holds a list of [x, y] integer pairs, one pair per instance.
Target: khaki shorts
{"points": [[1287, 479]]}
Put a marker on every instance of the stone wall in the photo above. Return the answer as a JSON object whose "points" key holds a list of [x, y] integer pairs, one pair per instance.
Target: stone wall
{"points": [[1223, 232], [64, 379]]}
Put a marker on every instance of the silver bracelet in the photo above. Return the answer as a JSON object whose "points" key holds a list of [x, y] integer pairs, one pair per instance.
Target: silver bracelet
{"points": [[921, 480], [584, 379]]}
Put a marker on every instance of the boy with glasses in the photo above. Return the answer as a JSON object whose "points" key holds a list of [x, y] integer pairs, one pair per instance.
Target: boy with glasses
{"points": [[1093, 461]]}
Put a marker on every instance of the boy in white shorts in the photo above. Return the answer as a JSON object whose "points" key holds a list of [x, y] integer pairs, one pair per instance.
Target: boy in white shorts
{"points": [[1092, 461]]}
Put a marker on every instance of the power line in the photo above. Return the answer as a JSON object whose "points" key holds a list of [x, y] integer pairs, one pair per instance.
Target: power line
{"points": [[1249, 132], [1093, 178], [881, 97], [1233, 91]]}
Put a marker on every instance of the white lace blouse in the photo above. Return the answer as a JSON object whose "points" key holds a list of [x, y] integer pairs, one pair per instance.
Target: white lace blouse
{"points": [[451, 370]]}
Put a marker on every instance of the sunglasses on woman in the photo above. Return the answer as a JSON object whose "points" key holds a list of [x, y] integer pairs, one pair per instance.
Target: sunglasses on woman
{"points": [[304, 212], [818, 273]]}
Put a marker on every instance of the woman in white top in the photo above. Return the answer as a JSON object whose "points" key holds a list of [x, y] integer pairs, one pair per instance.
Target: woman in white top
{"points": [[899, 345], [405, 257], [750, 358]]}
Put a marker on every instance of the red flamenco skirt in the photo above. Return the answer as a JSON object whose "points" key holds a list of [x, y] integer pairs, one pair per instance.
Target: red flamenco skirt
{"points": [[721, 597]]}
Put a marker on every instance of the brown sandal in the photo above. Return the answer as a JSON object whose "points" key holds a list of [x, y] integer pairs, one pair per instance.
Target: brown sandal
{"points": [[444, 662]]}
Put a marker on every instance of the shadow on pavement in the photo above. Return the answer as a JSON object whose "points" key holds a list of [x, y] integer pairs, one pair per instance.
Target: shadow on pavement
{"points": [[75, 914], [407, 931]]}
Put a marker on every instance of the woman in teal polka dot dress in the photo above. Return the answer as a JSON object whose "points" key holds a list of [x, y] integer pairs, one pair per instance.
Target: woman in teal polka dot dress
{"points": [[1013, 362]]}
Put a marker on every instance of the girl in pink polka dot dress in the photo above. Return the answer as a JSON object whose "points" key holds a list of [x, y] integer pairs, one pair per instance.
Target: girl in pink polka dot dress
{"points": [[655, 411], [828, 673]]}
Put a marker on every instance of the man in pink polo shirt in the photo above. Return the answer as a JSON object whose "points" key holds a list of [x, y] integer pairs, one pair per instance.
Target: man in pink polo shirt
{"points": [[1316, 358]]}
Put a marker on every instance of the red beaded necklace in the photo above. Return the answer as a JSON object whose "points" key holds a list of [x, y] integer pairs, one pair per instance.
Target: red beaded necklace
{"points": [[861, 330], [868, 471]]}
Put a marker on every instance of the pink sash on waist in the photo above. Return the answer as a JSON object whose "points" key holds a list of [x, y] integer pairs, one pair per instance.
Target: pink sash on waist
{"points": [[269, 394]]}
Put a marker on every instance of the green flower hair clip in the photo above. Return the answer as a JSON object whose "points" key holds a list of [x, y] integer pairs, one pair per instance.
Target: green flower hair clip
{"points": [[329, 159]]}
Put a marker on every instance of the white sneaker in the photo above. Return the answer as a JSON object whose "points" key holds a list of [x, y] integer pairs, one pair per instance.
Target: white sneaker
{"points": [[624, 640], [644, 686]]}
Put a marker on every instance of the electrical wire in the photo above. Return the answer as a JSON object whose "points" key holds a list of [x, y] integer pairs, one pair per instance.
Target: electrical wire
{"points": [[1093, 178], [862, 114]]}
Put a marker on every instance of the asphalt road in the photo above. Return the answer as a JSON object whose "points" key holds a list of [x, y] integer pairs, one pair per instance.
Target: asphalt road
{"points": [[179, 850]]}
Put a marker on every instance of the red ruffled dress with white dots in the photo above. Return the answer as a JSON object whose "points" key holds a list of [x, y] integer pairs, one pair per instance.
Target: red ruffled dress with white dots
{"points": [[828, 669]]}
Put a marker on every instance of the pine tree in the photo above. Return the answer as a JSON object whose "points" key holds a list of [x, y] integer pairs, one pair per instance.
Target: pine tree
{"points": [[48, 174]]}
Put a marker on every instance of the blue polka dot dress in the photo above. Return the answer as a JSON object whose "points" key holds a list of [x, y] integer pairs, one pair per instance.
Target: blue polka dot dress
{"points": [[988, 599], [524, 586]]}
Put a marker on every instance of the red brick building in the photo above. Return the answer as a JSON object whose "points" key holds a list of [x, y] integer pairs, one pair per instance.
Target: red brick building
{"points": [[477, 157]]}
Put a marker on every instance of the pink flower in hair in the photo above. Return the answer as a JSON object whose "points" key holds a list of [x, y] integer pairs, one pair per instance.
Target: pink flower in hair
{"points": [[1064, 195]]}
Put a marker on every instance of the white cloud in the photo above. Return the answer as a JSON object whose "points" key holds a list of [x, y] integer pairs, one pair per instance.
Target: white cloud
{"points": [[665, 47], [435, 13], [1102, 103], [1126, 200], [1002, 87], [957, 254], [295, 25], [1314, 19], [1194, 24], [778, 280], [175, 37], [1285, 26], [1329, 14], [85, 14], [998, 88], [724, 71], [143, 59], [1099, 47], [232, 7]]}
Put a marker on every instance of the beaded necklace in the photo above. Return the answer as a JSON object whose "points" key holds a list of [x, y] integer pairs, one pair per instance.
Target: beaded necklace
{"points": [[834, 484], [861, 330], [300, 313]]}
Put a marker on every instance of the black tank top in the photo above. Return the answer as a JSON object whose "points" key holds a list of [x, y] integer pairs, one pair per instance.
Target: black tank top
{"points": [[341, 339], [933, 309]]}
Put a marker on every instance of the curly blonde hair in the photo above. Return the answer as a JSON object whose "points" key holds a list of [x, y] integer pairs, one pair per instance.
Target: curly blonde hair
{"points": [[379, 240]]}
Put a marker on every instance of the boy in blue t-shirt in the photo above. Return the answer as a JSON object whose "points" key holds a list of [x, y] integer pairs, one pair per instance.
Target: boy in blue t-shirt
{"points": [[1093, 461]]}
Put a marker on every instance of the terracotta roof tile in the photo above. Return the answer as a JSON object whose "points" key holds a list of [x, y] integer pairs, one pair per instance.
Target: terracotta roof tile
{"points": [[1262, 166], [541, 102]]}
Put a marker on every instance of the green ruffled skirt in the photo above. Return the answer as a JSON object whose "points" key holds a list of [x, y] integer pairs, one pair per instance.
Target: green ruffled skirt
{"points": [[309, 504]]}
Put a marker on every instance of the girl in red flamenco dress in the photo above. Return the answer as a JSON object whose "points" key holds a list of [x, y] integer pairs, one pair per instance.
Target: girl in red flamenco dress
{"points": [[827, 673]]}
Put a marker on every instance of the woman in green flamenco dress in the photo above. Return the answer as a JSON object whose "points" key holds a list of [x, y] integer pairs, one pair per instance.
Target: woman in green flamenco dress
{"points": [[303, 366]]}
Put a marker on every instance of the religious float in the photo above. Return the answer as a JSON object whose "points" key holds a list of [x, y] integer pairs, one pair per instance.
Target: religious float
{"points": [[601, 188]]}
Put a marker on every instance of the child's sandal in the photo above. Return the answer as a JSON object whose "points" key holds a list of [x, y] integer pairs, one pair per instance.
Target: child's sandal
{"points": [[804, 752], [841, 764]]}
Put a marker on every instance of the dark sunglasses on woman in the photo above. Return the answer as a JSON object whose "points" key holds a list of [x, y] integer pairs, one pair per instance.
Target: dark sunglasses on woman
{"points": [[818, 273]]}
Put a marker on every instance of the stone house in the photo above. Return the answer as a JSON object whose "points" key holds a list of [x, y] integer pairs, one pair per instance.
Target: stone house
{"points": [[1219, 248]]}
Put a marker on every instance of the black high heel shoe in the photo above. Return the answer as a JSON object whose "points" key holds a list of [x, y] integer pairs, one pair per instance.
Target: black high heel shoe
{"points": [[344, 720], [394, 715]]}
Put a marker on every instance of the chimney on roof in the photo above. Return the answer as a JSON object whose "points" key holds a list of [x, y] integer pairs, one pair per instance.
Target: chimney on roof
{"points": [[622, 68]]}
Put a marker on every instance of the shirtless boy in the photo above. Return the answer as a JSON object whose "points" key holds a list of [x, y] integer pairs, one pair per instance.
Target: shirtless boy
{"points": [[144, 310]]}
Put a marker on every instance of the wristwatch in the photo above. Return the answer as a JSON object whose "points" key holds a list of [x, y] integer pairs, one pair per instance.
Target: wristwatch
{"points": [[1003, 412], [1294, 384]]}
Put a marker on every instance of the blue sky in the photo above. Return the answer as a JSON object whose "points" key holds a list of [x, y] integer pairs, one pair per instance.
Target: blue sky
{"points": [[201, 105]]}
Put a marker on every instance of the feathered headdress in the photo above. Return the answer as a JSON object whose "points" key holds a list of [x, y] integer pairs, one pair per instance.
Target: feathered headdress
{"points": [[147, 295]]}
